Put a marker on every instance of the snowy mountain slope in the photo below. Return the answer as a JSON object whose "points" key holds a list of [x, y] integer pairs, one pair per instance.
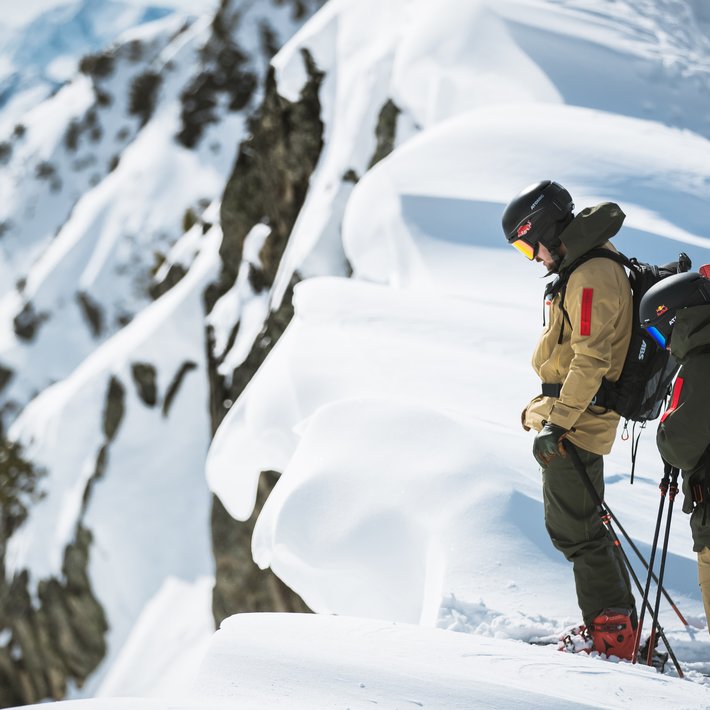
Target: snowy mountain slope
{"points": [[99, 235], [68, 144], [113, 359], [40, 54], [105, 478], [115, 215]]}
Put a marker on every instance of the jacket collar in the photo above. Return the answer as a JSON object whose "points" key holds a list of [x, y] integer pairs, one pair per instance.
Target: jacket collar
{"points": [[591, 228]]}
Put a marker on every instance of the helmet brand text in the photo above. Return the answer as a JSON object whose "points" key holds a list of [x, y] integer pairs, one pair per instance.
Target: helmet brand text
{"points": [[537, 202]]}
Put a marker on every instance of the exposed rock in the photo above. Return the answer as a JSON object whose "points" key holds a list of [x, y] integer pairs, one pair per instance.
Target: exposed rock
{"points": [[299, 8], [268, 185], [175, 274], [19, 486], [5, 377], [142, 97], [61, 640], [227, 75], [145, 377], [385, 131], [27, 322], [92, 312], [240, 586], [174, 386], [270, 178], [350, 176], [5, 152], [99, 65], [114, 408]]}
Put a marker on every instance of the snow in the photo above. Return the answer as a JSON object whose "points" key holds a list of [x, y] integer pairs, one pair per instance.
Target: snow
{"points": [[301, 661], [167, 643], [19, 15], [98, 237], [327, 661], [240, 304], [408, 506], [48, 39], [390, 405], [149, 515], [521, 56], [412, 220]]}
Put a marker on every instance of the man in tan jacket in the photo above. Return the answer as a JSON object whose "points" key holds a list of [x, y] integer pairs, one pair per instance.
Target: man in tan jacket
{"points": [[584, 343]]}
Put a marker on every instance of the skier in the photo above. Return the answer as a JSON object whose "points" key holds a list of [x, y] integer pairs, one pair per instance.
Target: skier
{"points": [[676, 312], [586, 340]]}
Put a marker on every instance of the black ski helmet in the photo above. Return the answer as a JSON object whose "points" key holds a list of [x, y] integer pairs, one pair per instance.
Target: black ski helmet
{"points": [[660, 304], [537, 214]]}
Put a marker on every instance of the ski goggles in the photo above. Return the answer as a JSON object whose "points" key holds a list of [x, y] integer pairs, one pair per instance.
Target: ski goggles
{"points": [[529, 251], [656, 335]]}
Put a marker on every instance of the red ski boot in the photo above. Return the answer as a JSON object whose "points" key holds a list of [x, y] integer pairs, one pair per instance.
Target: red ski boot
{"points": [[613, 634]]}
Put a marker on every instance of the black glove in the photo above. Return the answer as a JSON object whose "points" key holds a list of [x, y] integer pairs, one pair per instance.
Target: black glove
{"points": [[548, 443]]}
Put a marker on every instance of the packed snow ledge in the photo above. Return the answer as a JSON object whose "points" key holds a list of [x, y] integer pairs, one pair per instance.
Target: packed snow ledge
{"points": [[304, 661]]}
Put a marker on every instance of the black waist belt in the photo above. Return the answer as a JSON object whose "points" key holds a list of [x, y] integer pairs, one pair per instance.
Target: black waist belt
{"points": [[603, 398]]}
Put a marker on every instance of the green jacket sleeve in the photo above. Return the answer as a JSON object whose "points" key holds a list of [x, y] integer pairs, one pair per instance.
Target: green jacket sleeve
{"points": [[684, 432]]}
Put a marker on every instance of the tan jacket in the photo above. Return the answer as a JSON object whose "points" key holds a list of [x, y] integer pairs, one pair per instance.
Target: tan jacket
{"points": [[594, 344]]}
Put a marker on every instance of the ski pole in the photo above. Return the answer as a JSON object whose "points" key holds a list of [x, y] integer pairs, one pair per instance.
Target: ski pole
{"points": [[606, 522], [672, 492], [664, 489], [647, 566]]}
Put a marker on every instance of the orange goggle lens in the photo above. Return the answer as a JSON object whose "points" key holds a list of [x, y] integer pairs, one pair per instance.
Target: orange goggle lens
{"points": [[527, 250]]}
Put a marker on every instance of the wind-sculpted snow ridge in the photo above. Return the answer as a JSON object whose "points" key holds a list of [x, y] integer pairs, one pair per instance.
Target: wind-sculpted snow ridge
{"points": [[413, 221], [647, 60]]}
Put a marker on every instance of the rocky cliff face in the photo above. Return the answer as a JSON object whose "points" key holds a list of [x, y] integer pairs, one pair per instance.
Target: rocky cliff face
{"points": [[55, 626], [54, 630], [268, 186], [60, 634]]}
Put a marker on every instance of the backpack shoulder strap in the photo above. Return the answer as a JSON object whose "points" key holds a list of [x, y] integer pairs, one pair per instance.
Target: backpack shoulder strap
{"points": [[559, 285], [599, 252]]}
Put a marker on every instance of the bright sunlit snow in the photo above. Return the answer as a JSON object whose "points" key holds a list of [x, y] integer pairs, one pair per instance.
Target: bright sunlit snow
{"points": [[409, 505]]}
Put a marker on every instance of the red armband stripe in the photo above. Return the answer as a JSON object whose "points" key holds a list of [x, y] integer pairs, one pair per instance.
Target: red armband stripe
{"points": [[585, 323], [677, 387]]}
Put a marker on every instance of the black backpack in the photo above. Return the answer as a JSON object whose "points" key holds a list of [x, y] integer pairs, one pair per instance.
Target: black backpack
{"points": [[644, 384]]}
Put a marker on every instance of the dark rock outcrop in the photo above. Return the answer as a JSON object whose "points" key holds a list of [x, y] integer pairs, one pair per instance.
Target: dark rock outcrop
{"points": [[59, 636], [268, 186], [52, 640]]}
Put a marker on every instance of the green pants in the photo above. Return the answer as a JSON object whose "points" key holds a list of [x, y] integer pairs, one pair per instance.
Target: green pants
{"points": [[575, 528]]}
